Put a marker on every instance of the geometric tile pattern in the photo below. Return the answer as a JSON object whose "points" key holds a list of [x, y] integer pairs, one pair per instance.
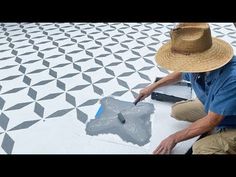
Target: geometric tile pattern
{"points": [[49, 70]]}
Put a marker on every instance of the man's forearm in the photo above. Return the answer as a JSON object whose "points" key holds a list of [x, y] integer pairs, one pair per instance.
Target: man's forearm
{"points": [[169, 79], [197, 128]]}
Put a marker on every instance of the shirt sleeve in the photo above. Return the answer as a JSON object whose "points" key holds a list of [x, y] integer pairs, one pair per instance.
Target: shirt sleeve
{"points": [[185, 76], [224, 102]]}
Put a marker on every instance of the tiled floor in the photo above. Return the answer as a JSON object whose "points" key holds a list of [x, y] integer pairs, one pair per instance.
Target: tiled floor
{"points": [[52, 76]]}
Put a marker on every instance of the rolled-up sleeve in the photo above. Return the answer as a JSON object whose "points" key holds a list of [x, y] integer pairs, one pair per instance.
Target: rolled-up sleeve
{"points": [[224, 102]]}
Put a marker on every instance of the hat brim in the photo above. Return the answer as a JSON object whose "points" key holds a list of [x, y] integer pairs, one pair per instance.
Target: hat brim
{"points": [[217, 56]]}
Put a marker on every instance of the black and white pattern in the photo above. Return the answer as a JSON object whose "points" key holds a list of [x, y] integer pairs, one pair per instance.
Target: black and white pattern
{"points": [[53, 75]]}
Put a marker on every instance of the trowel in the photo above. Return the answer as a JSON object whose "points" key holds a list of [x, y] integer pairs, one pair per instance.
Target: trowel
{"points": [[137, 100]]}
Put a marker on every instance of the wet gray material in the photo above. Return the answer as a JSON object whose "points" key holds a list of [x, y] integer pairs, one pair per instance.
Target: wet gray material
{"points": [[137, 127]]}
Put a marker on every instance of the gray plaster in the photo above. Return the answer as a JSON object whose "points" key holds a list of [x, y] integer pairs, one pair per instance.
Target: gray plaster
{"points": [[137, 126]]}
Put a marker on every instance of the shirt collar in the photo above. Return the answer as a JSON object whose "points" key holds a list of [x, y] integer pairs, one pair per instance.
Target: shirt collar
{"points": [[215, 74]]}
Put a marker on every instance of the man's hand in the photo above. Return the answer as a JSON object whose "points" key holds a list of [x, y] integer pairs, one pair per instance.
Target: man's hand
{"points": [[169, 79], [144, 93], [197, 128], [165, 146]]}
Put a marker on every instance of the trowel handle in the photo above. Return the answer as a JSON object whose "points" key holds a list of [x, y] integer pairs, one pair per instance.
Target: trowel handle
{"points": [[137, 100]]}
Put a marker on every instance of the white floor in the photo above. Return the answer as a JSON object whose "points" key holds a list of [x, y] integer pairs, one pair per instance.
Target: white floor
{"points": [[52, 77]]}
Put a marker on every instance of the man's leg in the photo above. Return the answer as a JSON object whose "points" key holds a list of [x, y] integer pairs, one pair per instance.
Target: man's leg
{"points": [[190, 110], [220, 143]]}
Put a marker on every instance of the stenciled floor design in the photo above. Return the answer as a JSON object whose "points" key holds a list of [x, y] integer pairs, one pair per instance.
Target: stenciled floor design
{"points": [[53, 75]]}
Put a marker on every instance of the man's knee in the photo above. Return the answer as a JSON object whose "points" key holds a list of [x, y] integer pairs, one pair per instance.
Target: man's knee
{"points": [[175, 113], [199, 147], [178, 111], [190, 110], [208, 145]]}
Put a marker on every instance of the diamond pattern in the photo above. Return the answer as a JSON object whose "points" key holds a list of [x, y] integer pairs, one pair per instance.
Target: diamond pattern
{"points": [[4, 121], [40, 61], [7, 144], [24, 125]]}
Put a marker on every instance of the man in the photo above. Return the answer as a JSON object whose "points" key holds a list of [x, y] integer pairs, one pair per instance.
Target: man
{"points": [[209, 65]]}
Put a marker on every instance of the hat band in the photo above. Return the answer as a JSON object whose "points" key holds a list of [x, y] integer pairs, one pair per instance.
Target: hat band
{"points": [[174, 50]]}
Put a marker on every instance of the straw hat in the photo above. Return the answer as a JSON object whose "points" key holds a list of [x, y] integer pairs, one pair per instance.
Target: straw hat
{"points": [[192, 49]]}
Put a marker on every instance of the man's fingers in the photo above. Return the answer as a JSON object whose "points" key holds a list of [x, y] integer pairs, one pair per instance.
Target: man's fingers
{"points": [[157, 150], [168, 151], [165, 146], [154, 152], [163, 151], [160, 150]]}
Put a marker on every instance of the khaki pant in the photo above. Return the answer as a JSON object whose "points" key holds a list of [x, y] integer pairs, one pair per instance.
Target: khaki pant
{"points": [[223, 142]]}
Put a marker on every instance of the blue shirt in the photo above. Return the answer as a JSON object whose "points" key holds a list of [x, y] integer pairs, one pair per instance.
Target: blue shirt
{"points": [[217, 91]]}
